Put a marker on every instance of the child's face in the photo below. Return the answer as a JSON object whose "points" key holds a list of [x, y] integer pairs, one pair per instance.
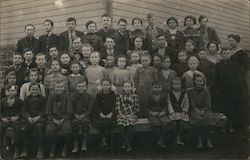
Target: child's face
{"points": [[189, 46], [156, 61], [137, 24], [127, 87], [189, 22], [202, 55], [138, 43], [203, 22], [75, 68], [145, 61], [11, 92], [110, 43], [151, 21], [94, 58], [193, 65], [65, 59], [176, 85], [161, 41], [12, 79], [157, 88], [33, 76], [53, 52], [47, 26], [212, 48], [86, 51], [182, 57], [55, 67], [34, 90], [135, 57], [106, 86], [106, 21], [71, 25], [199, 82], [81, 87], [41, 60], [92, 28], [110, 61], [172, 24], [77, 44], [59, 88], [30, 30], [225, 54], [28, 56], [17, 59], [122, 26], [166, 63], [121, 62]]}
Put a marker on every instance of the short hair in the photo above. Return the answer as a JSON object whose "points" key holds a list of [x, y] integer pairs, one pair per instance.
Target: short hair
{"points": [[127, 82], [193, 58], [176, 79], [166, 57], [110, 38], [87, 45], [213, 42], [18, 54], [234, 36], [74, 62], [40, 54], [150, 15], [29, 25], [106, 79], [202, 49], [122, 56], [27, 50], [33, 70], [157, 55], [136, 18], [90, 22], [35, 84], [50, 21], [9, 86], [182, 51], [106, 15], [83, 81], [160, 35], [122, 20], [146, 55], [202, 17], [53, 46], [173, 19], [70, 19], [76, 37], [189, 17], [190, 41]]}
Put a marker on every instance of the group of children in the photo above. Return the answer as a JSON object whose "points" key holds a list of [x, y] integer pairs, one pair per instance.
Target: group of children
{"points": [[54, 95]]}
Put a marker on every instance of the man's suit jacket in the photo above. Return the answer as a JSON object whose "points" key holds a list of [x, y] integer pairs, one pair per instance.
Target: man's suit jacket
{"points": [[64, 40]]}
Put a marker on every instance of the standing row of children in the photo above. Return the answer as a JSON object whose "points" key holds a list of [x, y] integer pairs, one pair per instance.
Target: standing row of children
{"points": [[112, 88]]}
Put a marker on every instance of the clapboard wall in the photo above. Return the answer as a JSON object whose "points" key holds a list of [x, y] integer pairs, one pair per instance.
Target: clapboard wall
{"points": [[226, 16]]}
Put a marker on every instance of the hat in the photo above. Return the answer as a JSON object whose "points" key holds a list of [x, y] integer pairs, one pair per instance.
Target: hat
{"points": [[190, 17], [173, 19], [150, 15], [234, 36], [201, 18]]}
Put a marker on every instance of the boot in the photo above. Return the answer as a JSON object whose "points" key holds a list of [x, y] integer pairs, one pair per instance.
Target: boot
{"points": [[39, 154], [129, 148], [104, 142], [24, 151], [178, 141], [52, 151], [124, 144], [64, 151], [200, 145], [75, 147], [209, 144], [161, 144], [84, 145], [17, 153]]}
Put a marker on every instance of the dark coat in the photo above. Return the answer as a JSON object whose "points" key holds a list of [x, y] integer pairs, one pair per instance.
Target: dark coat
{"points": [[45, 42], [26, 42], [64, 40]]}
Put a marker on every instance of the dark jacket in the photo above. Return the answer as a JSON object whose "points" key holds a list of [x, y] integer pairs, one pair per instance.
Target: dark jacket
{"points": [[45, 42], [64, 40], [26, 42], [104, 34]]}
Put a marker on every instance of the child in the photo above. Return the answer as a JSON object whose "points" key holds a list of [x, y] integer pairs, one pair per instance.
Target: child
{"points": [[81, 103], [120, 74], [84, 58], [189, 48], [200, 110], [10, 121], [41, 67], [25, 89], [58, 111], [174, 37], [127, 105], [53, 55], [106, 30], [187, 77], [110, 65], [157, 112], [157, 60], [28, 59], [75, 51], [144, 78], [65, 64], [94, 73], [178, 106], [55, 75], [181, 66], [91, 38], [135, 64], [213, 55], [34, 117], [10, 79], [166, 75], [138, 43], [75, 77], [104, 118], [109, 48]]}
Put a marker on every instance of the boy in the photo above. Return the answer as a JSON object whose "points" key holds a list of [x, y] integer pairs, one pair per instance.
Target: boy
{"points": [[109, 48], [81, 107], [65, 64], [91, 38], [53, 55], [41, 67], [58, 111], [121, 37], [49, 39], [66, 38], [29, 41], [28, 59], [75, 51], [106, 30]]}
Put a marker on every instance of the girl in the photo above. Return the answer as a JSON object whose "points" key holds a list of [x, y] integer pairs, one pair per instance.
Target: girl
{"points": [[134, 60], [120, 74], [104, 109], [181, 66], [25, 91], [34, 117], [85, 53], [127, 105], [144, 78], [157, 60], [75, 51], [81, 107], [174, 37], [213, 55], [189, 48], [157, 112], [166, 75], [200, 110], [65, 64], [75, 77], [138, 43], [187, 77], [94, 73], [110, 65], [10, 79], [178, 106]]}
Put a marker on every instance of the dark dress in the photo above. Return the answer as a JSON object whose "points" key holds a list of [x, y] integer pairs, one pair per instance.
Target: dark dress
{"points": [[180, 68], [175, 41], [122, 43]]}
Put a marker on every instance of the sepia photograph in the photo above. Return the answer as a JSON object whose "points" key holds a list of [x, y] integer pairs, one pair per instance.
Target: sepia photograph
{"points": [[124, 79]]}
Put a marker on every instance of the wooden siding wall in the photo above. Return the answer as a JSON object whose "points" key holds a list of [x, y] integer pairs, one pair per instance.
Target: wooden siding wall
{"points": [[226, 16], [15, 14]]}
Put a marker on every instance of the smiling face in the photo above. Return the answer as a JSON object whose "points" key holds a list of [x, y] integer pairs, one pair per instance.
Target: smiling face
{"points": [[172, 24], [127, 87], [17, 59], [138, 42], [81, 87], [65, 59], [33, 76], [122, 26], [35, 90], [75, 68]]}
